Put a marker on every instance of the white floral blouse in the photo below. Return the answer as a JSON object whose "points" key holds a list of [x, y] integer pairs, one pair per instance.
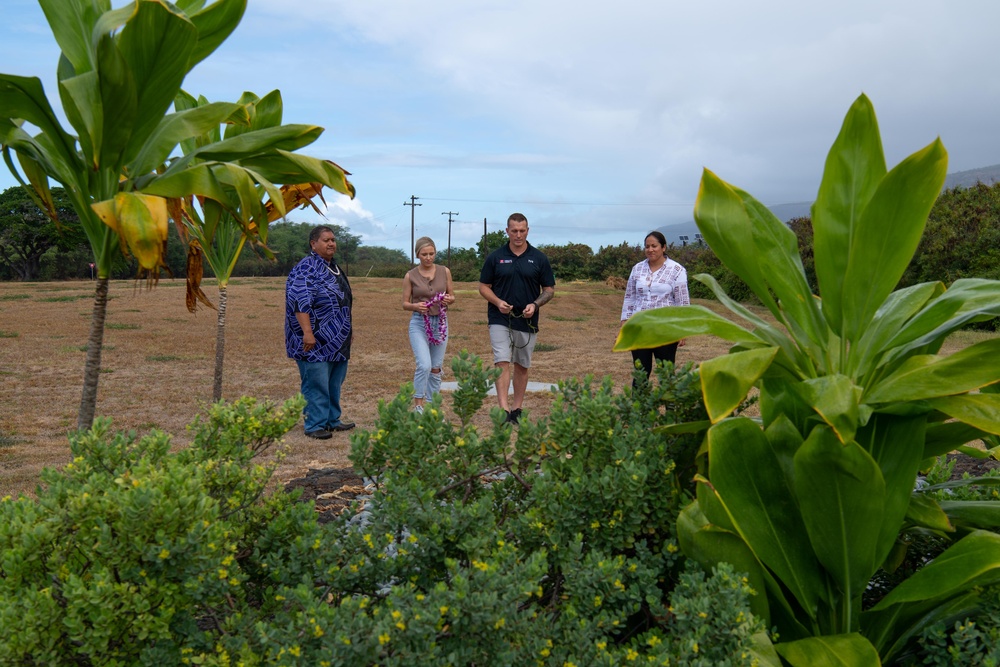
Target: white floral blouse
{"points": [[667, 286]]}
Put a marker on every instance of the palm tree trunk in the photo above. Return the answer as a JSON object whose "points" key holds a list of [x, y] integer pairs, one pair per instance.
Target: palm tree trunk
{"points": [[220, 346], [92, 369]]}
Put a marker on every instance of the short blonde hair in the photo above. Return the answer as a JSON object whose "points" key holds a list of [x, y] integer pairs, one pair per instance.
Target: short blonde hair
{"points": [[422, 243]]}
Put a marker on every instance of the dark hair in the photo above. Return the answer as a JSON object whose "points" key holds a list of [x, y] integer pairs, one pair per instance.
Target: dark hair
{"points": [[516, 217], [317, 231], [656, 235]]}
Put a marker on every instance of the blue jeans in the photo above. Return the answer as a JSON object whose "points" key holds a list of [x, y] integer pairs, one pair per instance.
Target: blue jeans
{"points": [[321, 382], [427, 356]]}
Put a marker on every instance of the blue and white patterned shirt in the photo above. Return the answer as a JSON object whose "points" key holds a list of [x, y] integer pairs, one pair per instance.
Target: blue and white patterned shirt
{"points": [[667, 286], [322, 291]]}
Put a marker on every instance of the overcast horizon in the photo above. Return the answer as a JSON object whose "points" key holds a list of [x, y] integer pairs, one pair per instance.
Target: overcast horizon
{"points": [[595, 120]]}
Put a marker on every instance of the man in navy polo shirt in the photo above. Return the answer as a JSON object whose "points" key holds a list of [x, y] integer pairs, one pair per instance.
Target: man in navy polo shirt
{"points": [[516, 280]]}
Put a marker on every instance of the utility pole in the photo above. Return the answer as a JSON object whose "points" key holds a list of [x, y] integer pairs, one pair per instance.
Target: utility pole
{"points": [[412, 204], [449, 214]]}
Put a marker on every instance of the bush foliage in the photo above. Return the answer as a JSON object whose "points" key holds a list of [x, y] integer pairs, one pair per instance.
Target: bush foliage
{"points": [[553, 547]]}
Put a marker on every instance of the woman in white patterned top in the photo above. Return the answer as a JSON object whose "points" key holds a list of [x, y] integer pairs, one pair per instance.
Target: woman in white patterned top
{"points": [[655, 282]]}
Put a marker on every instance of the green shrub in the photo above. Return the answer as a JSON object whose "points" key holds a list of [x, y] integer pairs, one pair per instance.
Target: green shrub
{"points": [[552, 547], [129, 548], [969, 642]]}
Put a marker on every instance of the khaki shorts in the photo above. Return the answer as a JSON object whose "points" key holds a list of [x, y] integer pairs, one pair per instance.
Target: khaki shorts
{"points": [[511, 345]]}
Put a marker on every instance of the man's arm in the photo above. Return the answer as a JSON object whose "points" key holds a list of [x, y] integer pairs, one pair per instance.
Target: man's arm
{"points": [[308, 338], [543, 298], [486, 291]]}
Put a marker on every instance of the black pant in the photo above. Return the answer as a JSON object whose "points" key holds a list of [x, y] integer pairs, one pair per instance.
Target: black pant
{"points": [[662, 353]]}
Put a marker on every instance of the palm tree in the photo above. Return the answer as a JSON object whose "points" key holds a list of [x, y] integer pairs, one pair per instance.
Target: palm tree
{"points": [[119, 73], [215, 235]]}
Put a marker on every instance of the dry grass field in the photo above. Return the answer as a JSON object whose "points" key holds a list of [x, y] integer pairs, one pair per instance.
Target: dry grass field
{"points": [[158, 360]]}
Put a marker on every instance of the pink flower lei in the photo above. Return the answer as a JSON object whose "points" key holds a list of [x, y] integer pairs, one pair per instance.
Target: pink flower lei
{"points": [[442, 328]]}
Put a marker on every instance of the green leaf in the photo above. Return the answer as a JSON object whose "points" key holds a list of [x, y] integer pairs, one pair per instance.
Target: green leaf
{"points": [[723, 220], [173, 129], [896, 311], [710, 545], [984, 514], [285, 167], [726, 380], [72, 23], [777, 248], [965, 300], [945, 437], [250, 144], [894, 442], [683, 428], [981, 411], [215, 23], [841, 495], [887, 234], [653, 328], [850, 650], [930, 376], [24, 98], [854, 167], [835, 398], [769, 333], [158, 65], [763, 507], [196, 179], [925, 512], [972, 561]]}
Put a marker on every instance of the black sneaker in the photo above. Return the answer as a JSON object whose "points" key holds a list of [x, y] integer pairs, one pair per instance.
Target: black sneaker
{"points": [[342, 426], [319, 434], [513, 416]]}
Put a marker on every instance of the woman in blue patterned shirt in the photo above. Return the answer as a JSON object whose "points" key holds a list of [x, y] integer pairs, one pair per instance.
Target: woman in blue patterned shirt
{"points": [[318, 332]]}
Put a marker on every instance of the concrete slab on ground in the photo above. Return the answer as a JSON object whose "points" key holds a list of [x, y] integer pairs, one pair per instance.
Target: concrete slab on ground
{"points": [[532, 386]]}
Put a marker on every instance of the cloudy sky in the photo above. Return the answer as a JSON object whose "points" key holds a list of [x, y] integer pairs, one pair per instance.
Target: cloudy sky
{"points": [[594, 119]]}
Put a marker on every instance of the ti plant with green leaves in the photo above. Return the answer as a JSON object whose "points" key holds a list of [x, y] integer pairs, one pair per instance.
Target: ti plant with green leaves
{"points": [[216, 234], [118, 75], [855, 398]]}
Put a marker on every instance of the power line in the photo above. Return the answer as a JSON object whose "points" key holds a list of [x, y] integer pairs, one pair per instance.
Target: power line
{"points": [[557, 203]]}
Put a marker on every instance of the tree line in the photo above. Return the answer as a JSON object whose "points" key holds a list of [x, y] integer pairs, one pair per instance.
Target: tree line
{"points": [[961, 240]]}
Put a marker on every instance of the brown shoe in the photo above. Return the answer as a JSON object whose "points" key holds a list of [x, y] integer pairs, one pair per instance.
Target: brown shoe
{"points": [[342, 426], [319, 434]]}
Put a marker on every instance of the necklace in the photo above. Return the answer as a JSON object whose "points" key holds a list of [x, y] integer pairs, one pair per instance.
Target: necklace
{"points": [[442, 332], [331, 270]]}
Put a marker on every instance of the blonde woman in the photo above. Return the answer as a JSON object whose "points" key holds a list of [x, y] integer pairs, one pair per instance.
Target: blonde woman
{"points": [[427, 293]]}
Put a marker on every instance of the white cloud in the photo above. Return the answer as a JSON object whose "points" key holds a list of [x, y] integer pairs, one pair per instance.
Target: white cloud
{"points": [[547, 105]]}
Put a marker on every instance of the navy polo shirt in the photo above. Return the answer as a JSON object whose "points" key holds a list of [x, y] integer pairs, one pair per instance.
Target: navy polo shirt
{"points": [[518, 280]]}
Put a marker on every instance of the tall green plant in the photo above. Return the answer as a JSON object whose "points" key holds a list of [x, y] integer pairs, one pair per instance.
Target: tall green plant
{"points": [[118, 74], [854, 396], [217, 235]]}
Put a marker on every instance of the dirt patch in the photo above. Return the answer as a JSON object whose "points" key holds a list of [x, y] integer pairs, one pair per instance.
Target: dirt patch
{"points": [[971, 465], [157, 360], [331, 490]]}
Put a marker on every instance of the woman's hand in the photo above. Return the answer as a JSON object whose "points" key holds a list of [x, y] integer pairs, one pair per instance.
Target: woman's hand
{"points": [[421, 307], [448, 299]]}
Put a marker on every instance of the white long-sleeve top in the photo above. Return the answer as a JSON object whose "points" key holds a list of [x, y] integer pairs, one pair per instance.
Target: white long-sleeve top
{"points": [[646, 289]]}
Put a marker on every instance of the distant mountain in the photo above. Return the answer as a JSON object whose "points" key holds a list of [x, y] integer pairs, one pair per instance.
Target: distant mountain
{"points": [[785, 212], [965, 179]]}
